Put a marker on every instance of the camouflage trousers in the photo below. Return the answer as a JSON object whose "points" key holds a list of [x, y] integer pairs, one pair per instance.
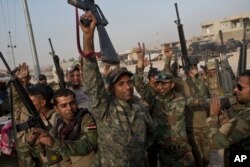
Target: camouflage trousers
{"points": [[177, 156], [199, 141]]}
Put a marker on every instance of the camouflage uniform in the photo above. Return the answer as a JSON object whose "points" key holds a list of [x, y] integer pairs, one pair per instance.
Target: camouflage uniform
{"points": [[196, 121], [212, 82], [234, 134], [75, 143], [169, 113], [121, 128]]}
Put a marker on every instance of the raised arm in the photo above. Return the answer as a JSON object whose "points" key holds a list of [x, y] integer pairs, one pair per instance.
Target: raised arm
{"points": [[233, 131], [92, 77], [168, 53], [142, 88]]}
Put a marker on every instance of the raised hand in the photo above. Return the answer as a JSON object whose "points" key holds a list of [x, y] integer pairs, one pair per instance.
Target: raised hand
{"points": [[168, 52], [23, 71], [140, 53]]}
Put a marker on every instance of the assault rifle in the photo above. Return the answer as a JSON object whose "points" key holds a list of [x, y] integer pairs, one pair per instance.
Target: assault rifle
{"points": [[108, 53], [35, 121], [243, 49], [150, 61], [57, 66], [227, 76], [184, 57]]}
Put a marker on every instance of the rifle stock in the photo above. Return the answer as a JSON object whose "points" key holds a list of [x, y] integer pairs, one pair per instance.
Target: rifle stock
{"points": [[108, 53]]}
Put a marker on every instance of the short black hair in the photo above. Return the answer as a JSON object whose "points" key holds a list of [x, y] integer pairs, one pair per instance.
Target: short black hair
{"points": [[42, 77], [64, 93], [247, 74], [43, 90]]}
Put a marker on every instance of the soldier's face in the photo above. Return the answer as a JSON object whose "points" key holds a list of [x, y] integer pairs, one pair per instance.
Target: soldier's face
{"points": [[123, 88], [66, 107], [75, 78], [164, 87], [38, 101], [242, 90]]}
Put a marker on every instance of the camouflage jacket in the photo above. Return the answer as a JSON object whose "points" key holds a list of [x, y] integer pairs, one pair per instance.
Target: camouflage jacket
{"points": [[167, 111], [235, 134], [121, 129], [196, 87], [80, 139], [213, 86]]}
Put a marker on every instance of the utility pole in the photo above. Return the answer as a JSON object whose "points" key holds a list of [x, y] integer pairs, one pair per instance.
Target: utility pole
{"points": [[12, 50], [31, 37]]}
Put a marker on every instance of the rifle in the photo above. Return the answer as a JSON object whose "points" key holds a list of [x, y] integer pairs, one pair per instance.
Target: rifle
{"points": [[57, 66], [35, 120], [108, 53], [243, 49], [185, 61], [150, 61], [227, 76]]}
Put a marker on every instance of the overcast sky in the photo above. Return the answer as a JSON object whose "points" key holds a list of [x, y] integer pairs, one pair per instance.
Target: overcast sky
{"points": [[130, 21]]}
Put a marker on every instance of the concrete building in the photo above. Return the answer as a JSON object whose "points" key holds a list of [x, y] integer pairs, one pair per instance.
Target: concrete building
{"points": [[231, 27]]}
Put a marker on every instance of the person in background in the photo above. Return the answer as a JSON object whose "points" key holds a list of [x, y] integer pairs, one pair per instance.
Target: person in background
{"points": [[74, 83], [42, 79]]}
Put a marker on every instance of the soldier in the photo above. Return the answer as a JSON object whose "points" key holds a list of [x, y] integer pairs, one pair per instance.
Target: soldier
{"points": [[196, 116], [212, 80], [30, 153], [42, 79], [121, 120], [234, 134], [213, 83], [151, 77], [168, 111], [74, 134], [75, 84]]}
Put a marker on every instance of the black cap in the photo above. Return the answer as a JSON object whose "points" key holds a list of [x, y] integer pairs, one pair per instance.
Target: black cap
{"points": [[41, 89], [115, 74], [152, 72], [42, 77], [164, 77]]}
